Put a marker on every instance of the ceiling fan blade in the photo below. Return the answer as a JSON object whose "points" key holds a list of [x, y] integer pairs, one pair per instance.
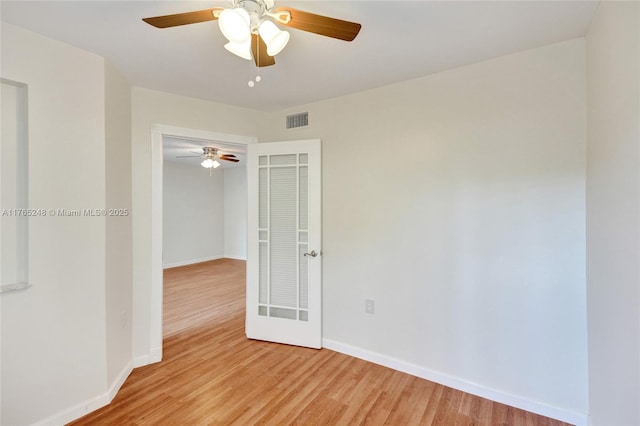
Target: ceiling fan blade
{"points": [[188, 156], [186, 18], [318, 24], [259, 50], [226, 155], [228, 159]]}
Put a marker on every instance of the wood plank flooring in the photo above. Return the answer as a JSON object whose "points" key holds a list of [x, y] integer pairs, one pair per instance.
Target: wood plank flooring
{"points": [[212, 375]]}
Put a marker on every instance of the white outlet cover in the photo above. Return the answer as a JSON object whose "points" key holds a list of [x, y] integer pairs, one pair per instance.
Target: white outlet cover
{"points": [[370, 306]]}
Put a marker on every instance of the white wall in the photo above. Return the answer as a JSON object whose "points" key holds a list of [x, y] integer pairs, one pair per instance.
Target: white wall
{"points": [[457, 202], [10, 236], [613, 221], [193, 214], [204, 217], [53, 334], [150, 108], [235, 213], [119, 258]]}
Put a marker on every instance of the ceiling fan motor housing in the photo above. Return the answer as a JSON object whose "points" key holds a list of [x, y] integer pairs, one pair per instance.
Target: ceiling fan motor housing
{"points": [[209, 152], [256, 10]]}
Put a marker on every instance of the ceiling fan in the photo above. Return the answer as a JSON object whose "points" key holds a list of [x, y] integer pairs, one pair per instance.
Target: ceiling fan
{"points": [[211, 156], [250, 27]]}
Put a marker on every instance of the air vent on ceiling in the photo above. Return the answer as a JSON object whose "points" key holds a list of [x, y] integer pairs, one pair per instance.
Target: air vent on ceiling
{"points": [[297, 120]]}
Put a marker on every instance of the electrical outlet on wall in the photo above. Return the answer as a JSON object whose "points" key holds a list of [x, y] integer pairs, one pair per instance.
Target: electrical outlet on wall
{"points": [[369, 306]]}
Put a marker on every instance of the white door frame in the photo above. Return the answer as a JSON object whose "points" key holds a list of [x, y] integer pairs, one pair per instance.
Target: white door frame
{"points": [[158, 132]]}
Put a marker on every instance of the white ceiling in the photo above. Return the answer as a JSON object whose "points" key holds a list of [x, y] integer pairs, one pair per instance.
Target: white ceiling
{"points": [[399, 40]]}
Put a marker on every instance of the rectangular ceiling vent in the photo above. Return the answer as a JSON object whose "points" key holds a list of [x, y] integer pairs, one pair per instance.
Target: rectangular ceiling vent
{"points": [[297, 120]]}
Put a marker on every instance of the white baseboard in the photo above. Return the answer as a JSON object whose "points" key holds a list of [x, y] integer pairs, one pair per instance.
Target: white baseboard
{"points": [[458, 383], [235, 257], [191, 261], [119, 381], [154, 355], [73, 413]]}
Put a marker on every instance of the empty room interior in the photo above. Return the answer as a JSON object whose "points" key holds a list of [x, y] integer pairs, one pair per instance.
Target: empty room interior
{"points": [[320, 212]]}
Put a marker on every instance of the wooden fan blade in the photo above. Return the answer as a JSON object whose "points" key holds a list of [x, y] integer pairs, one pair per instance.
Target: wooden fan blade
{"points": [[188, 156], [259, 50], [227, 155], [222, 157], [318, 24], [184, 18]]}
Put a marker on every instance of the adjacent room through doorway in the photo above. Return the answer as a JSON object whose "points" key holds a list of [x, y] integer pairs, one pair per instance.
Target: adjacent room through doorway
{"points": [[203, 227]]}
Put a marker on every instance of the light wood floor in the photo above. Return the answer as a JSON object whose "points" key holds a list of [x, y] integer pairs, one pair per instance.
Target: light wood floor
{"points": [[212, 375]]}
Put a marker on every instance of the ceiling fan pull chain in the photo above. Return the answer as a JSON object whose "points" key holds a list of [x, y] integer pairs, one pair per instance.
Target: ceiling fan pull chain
{"points": [[253, 82], [258, 78]]}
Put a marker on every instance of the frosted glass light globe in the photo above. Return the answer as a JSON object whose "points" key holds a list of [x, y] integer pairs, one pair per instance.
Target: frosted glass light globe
{"points": [[274, 38], [240, 49], [234, 25]]}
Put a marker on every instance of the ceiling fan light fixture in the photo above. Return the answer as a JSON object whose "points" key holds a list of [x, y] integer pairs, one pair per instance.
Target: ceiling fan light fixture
{"points": [[274, 38], [235, 25], [242, 50], [210, 163], [254, 22]]}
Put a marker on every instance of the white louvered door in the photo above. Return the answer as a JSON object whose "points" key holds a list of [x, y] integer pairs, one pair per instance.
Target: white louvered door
{"points": [[284, 243]]}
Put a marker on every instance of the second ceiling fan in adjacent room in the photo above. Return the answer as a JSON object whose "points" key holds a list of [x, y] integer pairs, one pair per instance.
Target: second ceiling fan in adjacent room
{"points": [[210, 156]]}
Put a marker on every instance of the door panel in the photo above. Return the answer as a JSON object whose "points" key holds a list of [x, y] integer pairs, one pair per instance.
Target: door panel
{"points": [[284, 233]]}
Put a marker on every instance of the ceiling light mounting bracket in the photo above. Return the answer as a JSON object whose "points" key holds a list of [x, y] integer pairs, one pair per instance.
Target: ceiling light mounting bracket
{"points": [[283, 16]]}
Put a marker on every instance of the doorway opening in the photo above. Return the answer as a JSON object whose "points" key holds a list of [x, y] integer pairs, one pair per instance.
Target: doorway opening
{"points": [[189, 138]]}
